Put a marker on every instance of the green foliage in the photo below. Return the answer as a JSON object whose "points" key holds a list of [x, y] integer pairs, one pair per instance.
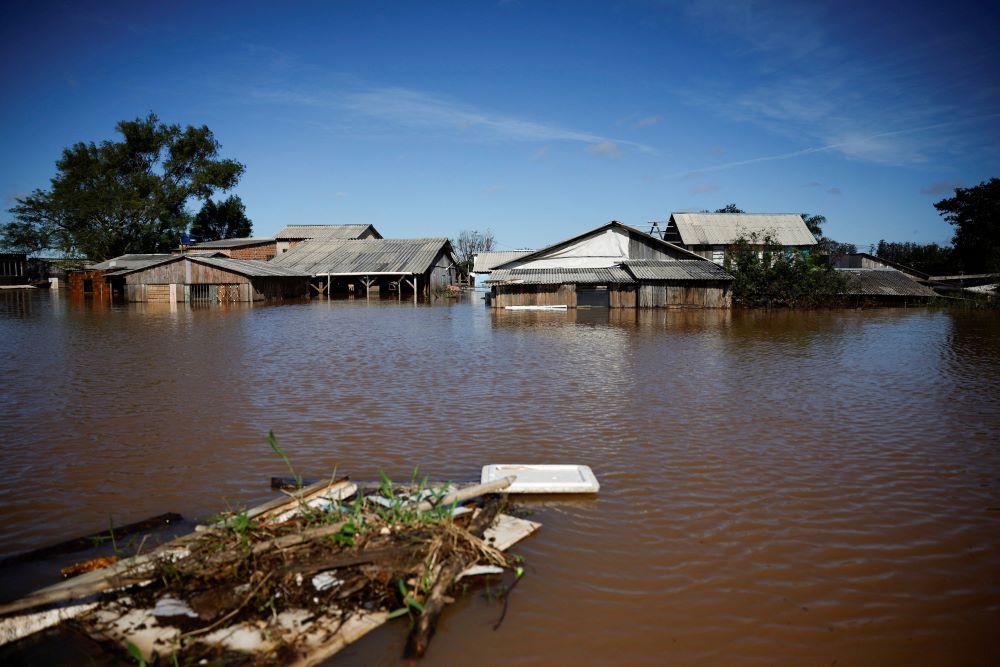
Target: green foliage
{"points": [[136, 654], [730, 208], [926, 257], [273, 441], [766, 275], [815, 224], [122, 196], [225, 220], [975, 212]]}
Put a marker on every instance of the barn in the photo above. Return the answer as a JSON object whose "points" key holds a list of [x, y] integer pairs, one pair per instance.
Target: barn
{"points": [[612, 266], [202, 279]]}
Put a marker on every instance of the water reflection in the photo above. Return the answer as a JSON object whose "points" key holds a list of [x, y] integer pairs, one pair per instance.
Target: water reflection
{"points": [[776, 486]]}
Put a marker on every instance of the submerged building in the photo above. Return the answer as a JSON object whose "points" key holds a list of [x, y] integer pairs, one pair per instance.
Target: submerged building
{"points": [[711, 234], [612, 266]]}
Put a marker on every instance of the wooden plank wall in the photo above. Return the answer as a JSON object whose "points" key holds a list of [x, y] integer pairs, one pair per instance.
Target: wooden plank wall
{"points": [[677, 296], [640, 248], [176, 272], [535, 295], [622, 296]]}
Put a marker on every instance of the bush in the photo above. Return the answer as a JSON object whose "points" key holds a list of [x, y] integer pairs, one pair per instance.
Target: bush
{"points": [[767, 276]]}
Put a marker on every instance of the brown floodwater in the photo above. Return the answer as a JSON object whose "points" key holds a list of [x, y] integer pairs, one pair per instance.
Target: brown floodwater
{"points": [[808, 488]]}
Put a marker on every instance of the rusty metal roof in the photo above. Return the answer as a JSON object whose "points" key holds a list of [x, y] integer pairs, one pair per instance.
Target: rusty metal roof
{"points": [[231, 243], [610, 275], [787, 229], [364, 256], [883, 282], [325, 232], [680, 269]]}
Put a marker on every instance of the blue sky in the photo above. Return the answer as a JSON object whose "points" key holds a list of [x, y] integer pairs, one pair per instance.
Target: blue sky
{"points": [[535, 120]]}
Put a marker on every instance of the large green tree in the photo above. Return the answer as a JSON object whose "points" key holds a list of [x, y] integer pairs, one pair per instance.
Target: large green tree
{"points": [[123, 196], [225, 220], [975, 212]]}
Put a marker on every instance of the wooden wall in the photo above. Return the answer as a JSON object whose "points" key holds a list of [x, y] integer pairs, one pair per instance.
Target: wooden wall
{"points": [[678, 296], [534, 295], [184, 272]]}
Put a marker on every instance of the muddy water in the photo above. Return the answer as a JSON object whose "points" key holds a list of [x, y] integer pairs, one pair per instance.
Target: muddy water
{"points": [[777, 488]]}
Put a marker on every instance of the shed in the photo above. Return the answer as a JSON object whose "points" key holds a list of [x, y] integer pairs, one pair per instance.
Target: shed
{"points": [[292, 235], [91, 281], [483, 262], [13, 268], [416, 266], [864, 260], [613, 266], [246, 248], [884, 285], [201, 279], [710, 234]]}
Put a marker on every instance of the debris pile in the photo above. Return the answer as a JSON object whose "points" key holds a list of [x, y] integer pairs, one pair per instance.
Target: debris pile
{"points": [[292, 581]]}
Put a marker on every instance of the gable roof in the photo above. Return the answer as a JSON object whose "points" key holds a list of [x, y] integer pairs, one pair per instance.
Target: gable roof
{"points": [[631, 271], [724, 228], [664, 246], [250, 268], [485, 261], [610, 275], [364, 256], [300, 232], [883, 282]]}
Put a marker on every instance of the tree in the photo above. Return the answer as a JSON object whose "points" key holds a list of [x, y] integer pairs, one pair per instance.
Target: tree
{"points": [[927, 257], [123, 196], [815, 224], [827, 246], [975, 212], [767, 275], [730, 208], [225, 220], [469, 243]]}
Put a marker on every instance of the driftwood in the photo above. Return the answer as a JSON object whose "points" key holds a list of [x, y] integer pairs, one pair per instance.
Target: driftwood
{"points": [[438, 599], [467, 493]]}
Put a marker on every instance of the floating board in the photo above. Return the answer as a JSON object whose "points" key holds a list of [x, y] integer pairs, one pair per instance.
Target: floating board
{"points": [[544, 478], [535, 307]]}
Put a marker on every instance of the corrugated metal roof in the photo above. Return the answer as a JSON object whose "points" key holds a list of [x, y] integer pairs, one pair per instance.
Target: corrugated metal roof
{"points": [[131, 261], [610, 275], [883, 282], [725, 228], [230, 243], [485, 261], [363, 256], [679, 269], [322, 232], [245, 267], [250, 267]]}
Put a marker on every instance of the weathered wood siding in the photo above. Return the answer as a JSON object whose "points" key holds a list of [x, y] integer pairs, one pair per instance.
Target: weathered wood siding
{"points": [[184, 272], [677, 296], [534, 295], [622, 296], [641, 248]]}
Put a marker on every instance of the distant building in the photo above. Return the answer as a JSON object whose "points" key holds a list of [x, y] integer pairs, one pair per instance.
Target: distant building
{"points": [[13, 268], [863, 260], [884, 285], [91, 281], [261, 249], [364, 266], [483, 262], [612, 266], [711, 234], [292, 235]]}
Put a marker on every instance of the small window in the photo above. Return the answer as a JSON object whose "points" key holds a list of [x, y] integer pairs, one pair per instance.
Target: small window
{"points": [[88, 286]]}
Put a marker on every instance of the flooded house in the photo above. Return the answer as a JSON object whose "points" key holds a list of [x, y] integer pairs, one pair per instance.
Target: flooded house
{"points": [[711, 234], [885, 286], [292, 235], [612, 266], [366, 267], [261, 249], [205, 279], [91, 281]]}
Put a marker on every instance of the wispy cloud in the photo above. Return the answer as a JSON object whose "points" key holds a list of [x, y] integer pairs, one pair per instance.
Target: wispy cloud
{"points": [[493, 189], [835, 191], [647, 121], [541, 153], [403, 107], [940, 187], [340, 195], [704, 188], [607, 148]]}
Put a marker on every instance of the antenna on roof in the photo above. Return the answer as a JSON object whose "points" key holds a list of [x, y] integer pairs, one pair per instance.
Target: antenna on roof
{"points": [[656, 230]]}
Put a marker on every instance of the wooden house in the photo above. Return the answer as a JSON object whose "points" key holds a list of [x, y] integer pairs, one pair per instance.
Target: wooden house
{"points": [[711, 234], [409, 267], [92, 280], [612, 266], [202, 279], [292, 235], [884, 286]]}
